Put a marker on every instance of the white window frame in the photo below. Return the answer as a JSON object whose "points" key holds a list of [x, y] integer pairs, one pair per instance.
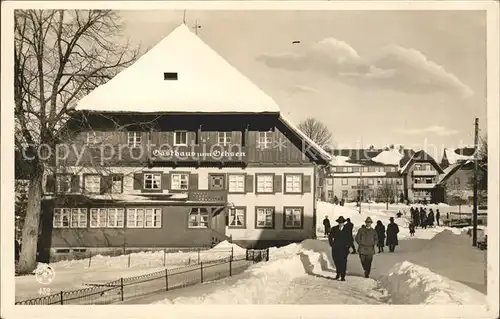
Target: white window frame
{"points": [[262, 181], [135, 217], [329, 181], [293, 183], [154, 216], [295, 211], [134, 139], [154, 178], [98, 217], [236, 183], [86, 183], [115, 218], [345, 181], [59, 177], [349, 169], [180, 143], [113, 189], [370, 181], [265, 140], [358, 181], [199, 213], [72, 214], [177, 179], [234, 213], [78, 218], [224, 138], [264, 211]]}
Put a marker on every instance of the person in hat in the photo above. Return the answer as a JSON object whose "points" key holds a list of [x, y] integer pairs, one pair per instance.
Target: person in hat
{"points": [[340, 240], [326, 224], [380, 229], [392, 235], [366, 238]]}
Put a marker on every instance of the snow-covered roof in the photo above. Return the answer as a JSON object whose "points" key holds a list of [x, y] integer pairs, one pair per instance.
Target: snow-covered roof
{"points": [[450, 170], [342, 161], [453, 157], [324, 154], [206, 83], [391, 157]]}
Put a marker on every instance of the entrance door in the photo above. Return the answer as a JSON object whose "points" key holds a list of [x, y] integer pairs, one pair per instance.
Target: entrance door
{"points": [[216, 182]]}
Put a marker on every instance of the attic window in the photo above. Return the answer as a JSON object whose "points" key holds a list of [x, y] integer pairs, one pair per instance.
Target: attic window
{"points": [[170, 76]]}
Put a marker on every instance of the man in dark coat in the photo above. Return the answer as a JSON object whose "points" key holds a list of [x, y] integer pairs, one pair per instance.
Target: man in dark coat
{"points": [[367, 239], [438, 215], [423, 218], [392, 234], [430, 218], [340, 241], [349, 227], [380, 229], [326, 223]]}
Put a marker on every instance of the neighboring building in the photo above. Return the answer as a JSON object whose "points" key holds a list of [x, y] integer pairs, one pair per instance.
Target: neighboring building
{"points": [[420, 176], [195, 154], [365, 174], [456, 183]]}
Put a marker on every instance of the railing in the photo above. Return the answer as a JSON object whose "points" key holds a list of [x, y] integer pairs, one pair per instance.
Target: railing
{"points": [[132, 287], [207, 195], [424, 173], [423, 185]]}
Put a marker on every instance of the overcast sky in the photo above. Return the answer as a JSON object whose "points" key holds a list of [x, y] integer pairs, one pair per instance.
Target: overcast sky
{"points": [[381, 77]]}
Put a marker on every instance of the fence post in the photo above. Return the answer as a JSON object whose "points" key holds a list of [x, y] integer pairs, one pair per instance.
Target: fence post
{"points": [[267, 254], [166, 280], [129, 260], [61, 297], [201, 270], [246, 254], [198, 255], [90, 257], [164, 256], [121, 287], [232, 252], [231, 264]]}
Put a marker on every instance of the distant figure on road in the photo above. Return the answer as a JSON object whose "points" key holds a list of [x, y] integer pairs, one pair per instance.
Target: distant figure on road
{"points": [[367, 239], [380, 229], [399, 214], [430, 218], [335, 200], [423, 218], [349, 227], [411, 226], [340, 241], [438, 215], [392, 234], [326, 224]]}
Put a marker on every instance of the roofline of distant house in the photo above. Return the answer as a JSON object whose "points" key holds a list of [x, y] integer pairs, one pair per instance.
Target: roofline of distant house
{"points": [[175, 113]]}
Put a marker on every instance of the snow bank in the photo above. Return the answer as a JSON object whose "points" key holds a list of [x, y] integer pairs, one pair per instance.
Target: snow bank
{"points": [[225, 245], [391, 157], [408, 283]]}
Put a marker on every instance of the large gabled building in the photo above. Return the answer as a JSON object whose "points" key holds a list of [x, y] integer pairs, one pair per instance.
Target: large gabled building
{"points": [[194, 154]]}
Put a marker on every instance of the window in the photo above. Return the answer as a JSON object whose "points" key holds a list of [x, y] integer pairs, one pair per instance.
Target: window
{"points": [[329, 181], [152, 218], [345, 181], [371, 169], [293, 217], [92, 183], [134, 139], [398, 182], [370, 181], [116, 184], [265, 183], [236, 183], [135, 217], [456, 181], [144, 217], [180, 181], [264, 217], [152, 180], [94, 138], [63, 182], [98, 217], [115, 217], [334, 169], [69, 217], [265, 140], [418, 167], [344, 169], [356, 169], [180, 138], [293, 183], [224, 138], [379, 181], [237, 218], [330, 194], [366, 169], [198, 218], [349, 169]]}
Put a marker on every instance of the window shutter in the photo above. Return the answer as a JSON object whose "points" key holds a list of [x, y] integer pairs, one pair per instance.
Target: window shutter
{"points": [[75, 183], [277, 184], [165, 181], [138, 180], [193, 181], [50, 185], [106, 183], [248, 183], [306, 184]]}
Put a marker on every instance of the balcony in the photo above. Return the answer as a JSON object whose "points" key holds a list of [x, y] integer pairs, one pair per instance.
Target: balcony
{"points": [[199, 153], [210, 196], [425, 173], [424, 185]]}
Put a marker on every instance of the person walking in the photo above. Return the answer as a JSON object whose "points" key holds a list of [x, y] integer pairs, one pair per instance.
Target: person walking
{"points": [[326, 224], [411, 226], [423, 218], [392, 235], [380, 229], [367, 239], [438, 215], [430, 218], [350, 227], [340, 241]]}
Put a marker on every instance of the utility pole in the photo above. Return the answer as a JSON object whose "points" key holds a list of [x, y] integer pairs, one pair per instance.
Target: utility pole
{"points": [[474, 209], [196, 27], [184, 17], [362, 191]]}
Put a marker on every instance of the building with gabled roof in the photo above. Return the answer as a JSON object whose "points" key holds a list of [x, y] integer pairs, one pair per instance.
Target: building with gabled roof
{"points": [[451, 157], [194, 153]]}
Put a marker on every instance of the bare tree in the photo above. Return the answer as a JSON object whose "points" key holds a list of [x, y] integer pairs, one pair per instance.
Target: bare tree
{"points": [[387, 192], [316, 131], [59, 56]]}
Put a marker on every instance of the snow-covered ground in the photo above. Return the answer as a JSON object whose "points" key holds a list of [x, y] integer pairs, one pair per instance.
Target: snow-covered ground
{"points": [[73, 274]]}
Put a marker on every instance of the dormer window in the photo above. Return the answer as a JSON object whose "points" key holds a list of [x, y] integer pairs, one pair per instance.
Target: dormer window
{"points": [[170, 76]]}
